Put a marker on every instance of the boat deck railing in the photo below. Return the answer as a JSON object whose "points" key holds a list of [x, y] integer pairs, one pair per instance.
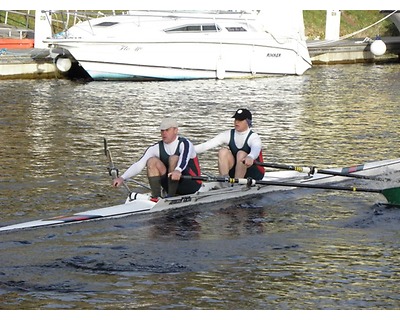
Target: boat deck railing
{"points": [[60, 21], [11, 32]]}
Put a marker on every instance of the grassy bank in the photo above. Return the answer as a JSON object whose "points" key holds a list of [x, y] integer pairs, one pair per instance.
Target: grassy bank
{"points": [[351, 21]]}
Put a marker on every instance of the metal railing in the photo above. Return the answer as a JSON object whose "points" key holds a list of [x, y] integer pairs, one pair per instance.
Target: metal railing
{"points": [[22, 23]]}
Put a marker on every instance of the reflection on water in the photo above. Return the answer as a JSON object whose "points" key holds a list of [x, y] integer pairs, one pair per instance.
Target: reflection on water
{"points": [[292, 250]]}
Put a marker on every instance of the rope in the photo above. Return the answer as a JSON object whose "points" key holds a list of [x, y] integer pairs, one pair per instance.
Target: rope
{"points": [[379, 21], [351, 34]]}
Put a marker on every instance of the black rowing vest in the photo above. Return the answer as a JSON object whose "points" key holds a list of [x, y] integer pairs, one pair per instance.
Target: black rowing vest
{"points": [[255, 172], [193, 167]]}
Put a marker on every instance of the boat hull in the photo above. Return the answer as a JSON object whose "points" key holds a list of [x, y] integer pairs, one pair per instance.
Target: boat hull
{"points": [[183, 61], [209, 193]]}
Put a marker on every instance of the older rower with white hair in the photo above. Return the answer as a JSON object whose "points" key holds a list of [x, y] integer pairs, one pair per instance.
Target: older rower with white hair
{"points": [[166, 161]]}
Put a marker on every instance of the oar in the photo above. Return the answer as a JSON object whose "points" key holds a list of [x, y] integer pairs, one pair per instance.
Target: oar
{"points": [[314, 170], [112, 170], [391, 194]]}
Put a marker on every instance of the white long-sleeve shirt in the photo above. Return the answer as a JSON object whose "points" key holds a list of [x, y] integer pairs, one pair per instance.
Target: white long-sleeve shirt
{"points": [[154, 151], [223, 138]]}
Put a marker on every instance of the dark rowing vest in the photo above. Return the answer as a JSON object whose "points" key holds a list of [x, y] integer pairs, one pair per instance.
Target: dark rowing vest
{"points": [[255, 172], [193, 167]]}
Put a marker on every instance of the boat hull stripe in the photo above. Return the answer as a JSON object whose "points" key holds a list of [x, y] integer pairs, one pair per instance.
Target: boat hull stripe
{"points": [[78, 217], [353, 169]]}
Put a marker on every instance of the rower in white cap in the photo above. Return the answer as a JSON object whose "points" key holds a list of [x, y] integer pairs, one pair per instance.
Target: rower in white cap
{"points": [[166, 161]]}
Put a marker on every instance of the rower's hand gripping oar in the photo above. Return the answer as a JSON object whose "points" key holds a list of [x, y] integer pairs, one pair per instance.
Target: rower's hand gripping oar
{"points": [[391, 194], [112, 169], [314, 170]]}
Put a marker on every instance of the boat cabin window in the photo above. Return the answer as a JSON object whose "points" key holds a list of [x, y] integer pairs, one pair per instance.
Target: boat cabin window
{"points": [[236, 29], [210, 27], [195, 28], [105, 24]]}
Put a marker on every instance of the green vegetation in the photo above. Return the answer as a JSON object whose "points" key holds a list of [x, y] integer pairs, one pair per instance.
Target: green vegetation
{"points": [[314, 21], [350, 22]]}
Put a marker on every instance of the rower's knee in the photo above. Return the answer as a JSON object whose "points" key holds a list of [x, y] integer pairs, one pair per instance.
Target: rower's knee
{"points": [[155, 167], [224, 153], [226, 161], [172, 162], [240, 156], [152, 162]]}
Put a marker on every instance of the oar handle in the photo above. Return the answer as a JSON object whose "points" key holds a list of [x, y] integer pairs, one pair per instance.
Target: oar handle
{"points": [[112, 169]]}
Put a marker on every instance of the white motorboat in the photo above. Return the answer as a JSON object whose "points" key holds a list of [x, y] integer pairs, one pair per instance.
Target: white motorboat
{"points": [[183, 45]]}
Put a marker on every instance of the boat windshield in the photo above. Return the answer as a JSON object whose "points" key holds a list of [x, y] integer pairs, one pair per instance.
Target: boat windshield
{"points": [[106, 24], [211, 27], [236, 29]]}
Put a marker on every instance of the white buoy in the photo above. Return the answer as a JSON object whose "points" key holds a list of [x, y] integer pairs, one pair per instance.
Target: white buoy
{"points": [[378, 47], [63, 63]]}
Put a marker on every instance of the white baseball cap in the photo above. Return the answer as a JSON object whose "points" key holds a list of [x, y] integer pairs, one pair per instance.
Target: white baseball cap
{"points": [[167, 123]]}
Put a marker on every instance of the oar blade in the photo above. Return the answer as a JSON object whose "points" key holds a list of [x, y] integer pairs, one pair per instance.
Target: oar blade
{"points": [[392, 195]]}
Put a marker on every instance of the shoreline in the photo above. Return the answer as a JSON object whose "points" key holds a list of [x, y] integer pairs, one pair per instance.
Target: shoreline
{"points": [[38, 64]]}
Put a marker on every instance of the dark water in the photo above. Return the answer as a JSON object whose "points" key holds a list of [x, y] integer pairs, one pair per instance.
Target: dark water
{"points": [[293, 250]]}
